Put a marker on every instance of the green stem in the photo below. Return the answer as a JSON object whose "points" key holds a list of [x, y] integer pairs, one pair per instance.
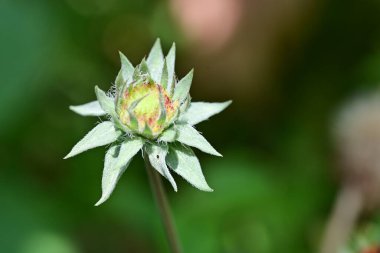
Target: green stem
{"points": [[163, 206]]}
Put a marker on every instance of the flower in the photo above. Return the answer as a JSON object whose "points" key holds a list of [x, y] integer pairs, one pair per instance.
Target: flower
{"points": [[149, 110]]}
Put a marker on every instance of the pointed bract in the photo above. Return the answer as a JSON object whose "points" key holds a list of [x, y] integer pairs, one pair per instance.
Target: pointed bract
{"points": [[185, 104], [183, 87], [169, 135], [165, 77], [170, 61], [106, 103], [126, 67], [162, 118], [110, 175], [200, 111], [119, 81], [143, 67], [89, 109], [147, 131], [189, 136], [136, 76], [155, 61], [116, 162], [183, 161], [103, 134], [157, 154], [132, 117]]}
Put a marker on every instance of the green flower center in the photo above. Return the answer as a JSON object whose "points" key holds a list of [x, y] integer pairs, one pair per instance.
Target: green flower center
{"points": [[147, 109]]}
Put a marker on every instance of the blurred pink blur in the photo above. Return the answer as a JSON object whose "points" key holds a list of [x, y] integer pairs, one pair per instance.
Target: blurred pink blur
{"points": [[210, 23]]}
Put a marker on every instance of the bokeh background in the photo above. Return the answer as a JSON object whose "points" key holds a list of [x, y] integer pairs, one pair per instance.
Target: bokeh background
{"points": [[287, 65]]}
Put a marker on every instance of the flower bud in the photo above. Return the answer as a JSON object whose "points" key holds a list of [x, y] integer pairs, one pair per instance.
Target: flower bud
{"points": [[146, 108]]}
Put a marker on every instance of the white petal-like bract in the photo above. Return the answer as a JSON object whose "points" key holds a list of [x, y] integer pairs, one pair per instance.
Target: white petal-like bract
{"points": [[170, 61], [169, 135], [89, 109], [156, 154], [155, 61], [182, 88], [191, 137], [116, 162], [127, 68], [200, 111], [103, 134], [106, 103], [183, 161]]}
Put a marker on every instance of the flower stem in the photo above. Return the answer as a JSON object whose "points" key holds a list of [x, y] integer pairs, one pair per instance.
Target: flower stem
{"points": [[163, 206]]}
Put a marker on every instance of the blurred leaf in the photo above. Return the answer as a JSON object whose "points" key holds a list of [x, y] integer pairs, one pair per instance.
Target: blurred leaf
{"points": [[45, 242]]}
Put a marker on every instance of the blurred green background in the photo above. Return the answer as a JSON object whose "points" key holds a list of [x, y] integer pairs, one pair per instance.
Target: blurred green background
{"points": [[288, 65]]}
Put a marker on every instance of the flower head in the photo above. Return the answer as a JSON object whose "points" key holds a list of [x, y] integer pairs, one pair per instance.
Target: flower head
{"points": [[149, 110], [145, 106]]}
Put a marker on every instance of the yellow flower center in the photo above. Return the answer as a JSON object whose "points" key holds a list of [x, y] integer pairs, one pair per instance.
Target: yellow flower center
{"points": [[147, 109]]}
